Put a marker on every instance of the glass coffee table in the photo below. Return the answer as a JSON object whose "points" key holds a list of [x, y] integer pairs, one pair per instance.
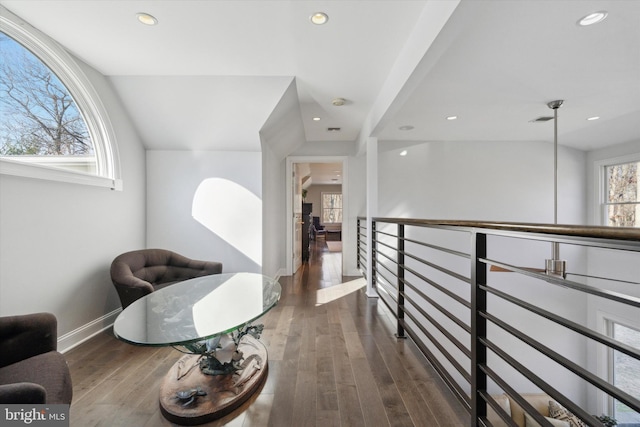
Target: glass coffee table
{"points": [[209, 318]]}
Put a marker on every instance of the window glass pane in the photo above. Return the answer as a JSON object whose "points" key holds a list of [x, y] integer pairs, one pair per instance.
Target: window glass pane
{"points": [[622, 195], [623, 183], [626, 373], [331, 207], [623, 215], [39, 120]]}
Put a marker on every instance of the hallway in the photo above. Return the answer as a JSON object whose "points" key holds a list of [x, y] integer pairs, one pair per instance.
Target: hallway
{"points": [[333, 361]]}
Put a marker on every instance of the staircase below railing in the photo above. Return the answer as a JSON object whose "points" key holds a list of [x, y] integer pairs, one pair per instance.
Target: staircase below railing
{"points": [[476, 300]]}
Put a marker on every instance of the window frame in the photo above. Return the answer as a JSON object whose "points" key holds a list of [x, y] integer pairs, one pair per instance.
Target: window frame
{"points": [[601, 187], [609, 323], [87, 101], [322, 205]]}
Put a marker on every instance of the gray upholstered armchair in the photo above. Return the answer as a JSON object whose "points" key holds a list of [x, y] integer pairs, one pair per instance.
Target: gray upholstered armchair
{"points": [[31, 370], [138, 273]]}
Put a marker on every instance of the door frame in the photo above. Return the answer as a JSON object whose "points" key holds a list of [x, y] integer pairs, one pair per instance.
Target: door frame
{"points": [[291, 160]]}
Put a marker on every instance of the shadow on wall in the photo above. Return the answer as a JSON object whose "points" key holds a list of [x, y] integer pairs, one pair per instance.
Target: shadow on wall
{"points": [[233, 213]]}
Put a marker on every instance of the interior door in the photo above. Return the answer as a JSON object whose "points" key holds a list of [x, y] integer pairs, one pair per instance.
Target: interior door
{"points": [[297, 218]]}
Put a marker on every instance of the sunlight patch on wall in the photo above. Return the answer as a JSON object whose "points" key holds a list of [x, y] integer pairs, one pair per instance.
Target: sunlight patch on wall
{"points": [[233, 213]]}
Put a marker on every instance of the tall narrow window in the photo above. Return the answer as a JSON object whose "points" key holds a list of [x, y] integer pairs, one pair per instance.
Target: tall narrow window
{"points": [[40, 122], [624, 371], [331, 208], [622, 195]]}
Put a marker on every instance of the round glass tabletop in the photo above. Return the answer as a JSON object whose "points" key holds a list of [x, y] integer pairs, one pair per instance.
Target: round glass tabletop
{"points": [[197, 309]]}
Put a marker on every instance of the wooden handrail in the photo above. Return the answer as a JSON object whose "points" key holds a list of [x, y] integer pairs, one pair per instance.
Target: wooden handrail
{"points": [[594, 232]]}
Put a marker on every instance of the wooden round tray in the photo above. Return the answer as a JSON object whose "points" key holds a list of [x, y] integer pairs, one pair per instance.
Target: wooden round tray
{"points": [[224, 393]]}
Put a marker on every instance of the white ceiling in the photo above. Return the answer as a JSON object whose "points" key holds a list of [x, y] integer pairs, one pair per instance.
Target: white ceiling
{"points": [[503, 61], [211, 73], [325, 173]]}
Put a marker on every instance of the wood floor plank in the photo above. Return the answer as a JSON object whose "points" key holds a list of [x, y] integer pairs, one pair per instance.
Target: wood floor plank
{"points": [[393, 403], [369, 395], [304, 408], [392, 353]]}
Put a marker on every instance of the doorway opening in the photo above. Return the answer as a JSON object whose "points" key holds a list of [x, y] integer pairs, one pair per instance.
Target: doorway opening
{"points": [[316, 206]]}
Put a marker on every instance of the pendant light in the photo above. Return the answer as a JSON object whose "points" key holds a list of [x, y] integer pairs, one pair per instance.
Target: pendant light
{"points": [[555, 266]]}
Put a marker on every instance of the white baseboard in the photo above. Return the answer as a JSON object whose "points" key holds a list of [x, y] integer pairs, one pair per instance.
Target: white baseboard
{"points": [[353, 272], [76, 337], [372, 294], [281, 272]]}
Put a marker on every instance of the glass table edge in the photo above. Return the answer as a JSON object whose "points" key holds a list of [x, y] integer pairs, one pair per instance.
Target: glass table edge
{"points": [[171, 344]]}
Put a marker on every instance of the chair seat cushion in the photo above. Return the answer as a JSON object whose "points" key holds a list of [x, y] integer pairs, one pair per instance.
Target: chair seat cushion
{"points": [[50, 370]]}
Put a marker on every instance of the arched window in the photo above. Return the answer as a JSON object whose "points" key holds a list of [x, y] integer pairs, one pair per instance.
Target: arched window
{"points": [[52, 123]]}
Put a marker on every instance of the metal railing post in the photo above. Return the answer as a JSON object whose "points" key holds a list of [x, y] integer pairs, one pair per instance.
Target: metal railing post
{"points": [[478, 326], [400, 259], [374, 255], [358, 265]]}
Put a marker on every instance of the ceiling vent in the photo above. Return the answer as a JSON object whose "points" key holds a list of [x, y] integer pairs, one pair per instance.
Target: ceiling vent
{"points": [[333, 129], [541, 119]]}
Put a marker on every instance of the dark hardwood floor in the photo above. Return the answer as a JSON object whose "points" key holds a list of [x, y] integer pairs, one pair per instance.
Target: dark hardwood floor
{"points": [[333, 361]]}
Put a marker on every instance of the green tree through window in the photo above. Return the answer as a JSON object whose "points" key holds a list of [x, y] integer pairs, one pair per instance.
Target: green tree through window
{"points": [[38, 116]]}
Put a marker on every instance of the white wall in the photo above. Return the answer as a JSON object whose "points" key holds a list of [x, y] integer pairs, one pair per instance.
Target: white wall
{"points": [[503, 181], [58, 240], [207, 205], [357, 207], [274, 210]]}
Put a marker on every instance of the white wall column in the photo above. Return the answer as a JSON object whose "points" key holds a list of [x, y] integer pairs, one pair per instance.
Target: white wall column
{"points": [[372, 206]]}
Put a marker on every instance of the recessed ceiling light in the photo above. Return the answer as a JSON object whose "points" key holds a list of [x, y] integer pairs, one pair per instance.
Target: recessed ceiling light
{"points": [[319, 18], [338, 102], [593, 118], [316, 119], [452, 118], [146, 19], [593, 18], [406, 127], [403, 153]]}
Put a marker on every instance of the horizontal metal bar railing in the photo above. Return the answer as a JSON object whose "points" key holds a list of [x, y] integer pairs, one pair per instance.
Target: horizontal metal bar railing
{"points": [[440, 287], [443, 330], [615, 296], [453, 385], [418, 296], [437, 344], [570, 365], [438, 248], [611, 343], [535, 379], [439, 307]]}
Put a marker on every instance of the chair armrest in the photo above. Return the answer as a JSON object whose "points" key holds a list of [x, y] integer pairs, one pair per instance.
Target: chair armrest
{"points": [[25, 336], [209, 267], [206, 267], [29, 393], [130, 288]]}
